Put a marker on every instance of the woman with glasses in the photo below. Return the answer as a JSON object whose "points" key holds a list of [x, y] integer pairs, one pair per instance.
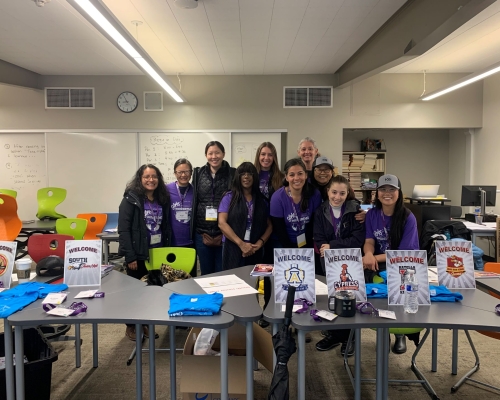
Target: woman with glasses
{"points": [[210, 182], [336, 227], [143, 223], [244, 220], [389, 226]]}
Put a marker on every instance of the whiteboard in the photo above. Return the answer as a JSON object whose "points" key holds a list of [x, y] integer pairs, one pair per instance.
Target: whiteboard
{"points": [[164, 149], [93, 167], [245, 145], [23, 169]]}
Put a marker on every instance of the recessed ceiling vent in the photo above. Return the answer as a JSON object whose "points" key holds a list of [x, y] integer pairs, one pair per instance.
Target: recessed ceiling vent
{"points": [[69, 98], [307, 97]]}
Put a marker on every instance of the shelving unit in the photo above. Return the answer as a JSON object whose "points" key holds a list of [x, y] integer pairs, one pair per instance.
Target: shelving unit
{"points": [[358, 166]]}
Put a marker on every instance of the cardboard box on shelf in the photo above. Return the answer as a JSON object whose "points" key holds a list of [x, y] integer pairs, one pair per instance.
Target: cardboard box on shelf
{"points": [[202, 373]]}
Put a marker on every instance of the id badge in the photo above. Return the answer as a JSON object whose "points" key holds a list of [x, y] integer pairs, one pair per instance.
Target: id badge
{"points": [[247, 235], [211, 214], [301, 240], [182, 215], [155, 239]]}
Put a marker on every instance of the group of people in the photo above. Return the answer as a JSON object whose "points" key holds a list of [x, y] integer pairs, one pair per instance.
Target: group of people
{"points": [[238, 216]]}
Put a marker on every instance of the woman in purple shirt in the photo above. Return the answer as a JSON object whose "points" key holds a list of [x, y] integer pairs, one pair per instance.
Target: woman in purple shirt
{"points": [[389, 226]]}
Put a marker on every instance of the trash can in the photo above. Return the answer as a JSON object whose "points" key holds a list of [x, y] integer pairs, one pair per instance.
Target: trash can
{"points": [[38, 369]]}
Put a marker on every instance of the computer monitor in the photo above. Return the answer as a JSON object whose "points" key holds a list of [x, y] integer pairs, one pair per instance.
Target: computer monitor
{"points": [[471, 196]]}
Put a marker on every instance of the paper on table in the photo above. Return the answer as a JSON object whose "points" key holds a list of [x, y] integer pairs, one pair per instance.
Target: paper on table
{"points": [[295, 307], [228, 285], [433, 275], [321, 288], [86, 294], [216, 281]]}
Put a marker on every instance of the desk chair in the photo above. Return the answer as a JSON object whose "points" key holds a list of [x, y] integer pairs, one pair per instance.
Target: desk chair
{"points": [[10, 224], [489, 267], [397, 331], [75, 227], [111, 223], [48, 198], [10, 192], [95, 224]]}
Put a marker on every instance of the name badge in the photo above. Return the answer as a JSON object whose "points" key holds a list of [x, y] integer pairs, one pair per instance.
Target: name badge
{"points": [[301, 240], [182, 215], [247, 235], [211, 214], [155, 239]]}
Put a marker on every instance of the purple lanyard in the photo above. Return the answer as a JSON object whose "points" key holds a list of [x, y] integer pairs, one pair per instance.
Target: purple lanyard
{"points": [[296, 208], [155, 210], [77, 307], [385, 229], [250, 211], [336, 221], [180, 195]]}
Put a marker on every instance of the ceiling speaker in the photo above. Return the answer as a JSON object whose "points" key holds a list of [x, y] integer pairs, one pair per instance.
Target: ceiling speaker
{"points": [[153, 101]]}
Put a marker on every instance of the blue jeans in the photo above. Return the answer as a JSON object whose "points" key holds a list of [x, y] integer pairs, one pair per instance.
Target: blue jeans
{"points": [[210, 257]]}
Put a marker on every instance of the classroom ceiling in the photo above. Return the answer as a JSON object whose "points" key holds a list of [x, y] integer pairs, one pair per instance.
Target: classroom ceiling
{"points": [[229, 37]]}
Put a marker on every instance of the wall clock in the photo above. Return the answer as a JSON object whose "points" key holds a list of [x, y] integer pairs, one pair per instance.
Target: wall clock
{"points": [[127, 102]]}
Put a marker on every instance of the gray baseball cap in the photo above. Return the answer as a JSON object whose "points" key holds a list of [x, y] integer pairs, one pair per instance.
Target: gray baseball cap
{"points": [[322, 160], [389, 180]]}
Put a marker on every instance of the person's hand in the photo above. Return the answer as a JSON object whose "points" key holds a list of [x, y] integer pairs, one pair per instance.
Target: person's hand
{"points": [[246, 249], [360, 216], [132, 265], [323, 248], [370, 262], [257, 246]]}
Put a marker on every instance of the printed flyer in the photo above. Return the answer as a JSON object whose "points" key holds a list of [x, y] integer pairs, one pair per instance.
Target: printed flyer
{"points": [[397, 263], [344, 271], [294, 267], [7, 258], [82, 262], [455, 264]]}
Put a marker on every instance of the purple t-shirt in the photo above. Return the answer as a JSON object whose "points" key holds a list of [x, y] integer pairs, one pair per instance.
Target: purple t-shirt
{"points": [[282, 206], [378, 228], [264, 183], [181, 200], [224, 207], [153, 214]]}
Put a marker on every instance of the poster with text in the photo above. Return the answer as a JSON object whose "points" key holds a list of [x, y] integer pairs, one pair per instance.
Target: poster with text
{"points": [[455, 264], [294, 267], [344, 271], [7, 258], [82, 262], [397, 263]]}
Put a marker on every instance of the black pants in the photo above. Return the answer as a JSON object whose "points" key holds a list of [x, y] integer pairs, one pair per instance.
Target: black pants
{"points": [[137, 273]]}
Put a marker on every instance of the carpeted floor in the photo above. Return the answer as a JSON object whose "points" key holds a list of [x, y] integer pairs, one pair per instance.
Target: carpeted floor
{"points": [[326, 376]]}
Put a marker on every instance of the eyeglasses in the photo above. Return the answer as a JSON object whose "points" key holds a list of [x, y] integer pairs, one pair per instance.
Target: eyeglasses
{"points": [[181, 173], [367, 308], [150, 177], [246, 175], [387, 189], [323, 171]]}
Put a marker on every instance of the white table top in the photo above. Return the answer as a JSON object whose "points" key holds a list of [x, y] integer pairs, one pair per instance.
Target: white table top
{"points": [[486, 227]]}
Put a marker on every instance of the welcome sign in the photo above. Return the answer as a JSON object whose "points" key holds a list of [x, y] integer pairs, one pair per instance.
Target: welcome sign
{"points": [[397, 263], [344, 271], [294, 267], [82, 262], [455, 264], [7, 258]]}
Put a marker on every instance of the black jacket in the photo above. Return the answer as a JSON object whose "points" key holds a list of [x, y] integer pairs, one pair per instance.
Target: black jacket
{"points": [[133, 241], [352, 232], [202, 185]]}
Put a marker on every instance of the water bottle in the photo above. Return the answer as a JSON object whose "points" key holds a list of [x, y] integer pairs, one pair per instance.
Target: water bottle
{"points": [[411, 292]]}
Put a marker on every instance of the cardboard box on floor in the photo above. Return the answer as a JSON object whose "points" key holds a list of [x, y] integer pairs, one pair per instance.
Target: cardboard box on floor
{"points": [[201, 374]]}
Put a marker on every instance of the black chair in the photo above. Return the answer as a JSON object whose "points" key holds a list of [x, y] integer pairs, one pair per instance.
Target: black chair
{"points": [[455, 212]]}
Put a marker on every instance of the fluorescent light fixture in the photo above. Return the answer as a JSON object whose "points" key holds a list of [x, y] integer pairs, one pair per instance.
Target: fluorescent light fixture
{"points": [[134, 54], [466, 80]]}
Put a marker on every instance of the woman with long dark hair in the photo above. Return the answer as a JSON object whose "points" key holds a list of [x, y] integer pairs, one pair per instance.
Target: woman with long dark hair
{"points": [[244, 220], [210, 182], [389, 226], [143, 223]]}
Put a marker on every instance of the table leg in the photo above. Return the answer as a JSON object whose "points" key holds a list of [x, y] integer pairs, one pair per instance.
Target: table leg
{"points": [[379, 363], [249, 357], [19, 338], [275, 331], [434, 350], [9, 364], [224, 390], [138, 361], [152, 365], [78, 346], [105, 249], [301, 364], [385, 354], [95, 346], [454, 352], [173, 370], [357, 365]]}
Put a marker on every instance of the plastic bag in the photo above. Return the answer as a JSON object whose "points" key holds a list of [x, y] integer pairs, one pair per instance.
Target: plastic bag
{"points": [[204, 342]]}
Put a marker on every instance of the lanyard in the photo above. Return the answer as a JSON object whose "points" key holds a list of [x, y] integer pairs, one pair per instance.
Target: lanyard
{"points": [[155, 210], [182, 197], [297, 213], [336, 221], [385, 229], [250, 211]]}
